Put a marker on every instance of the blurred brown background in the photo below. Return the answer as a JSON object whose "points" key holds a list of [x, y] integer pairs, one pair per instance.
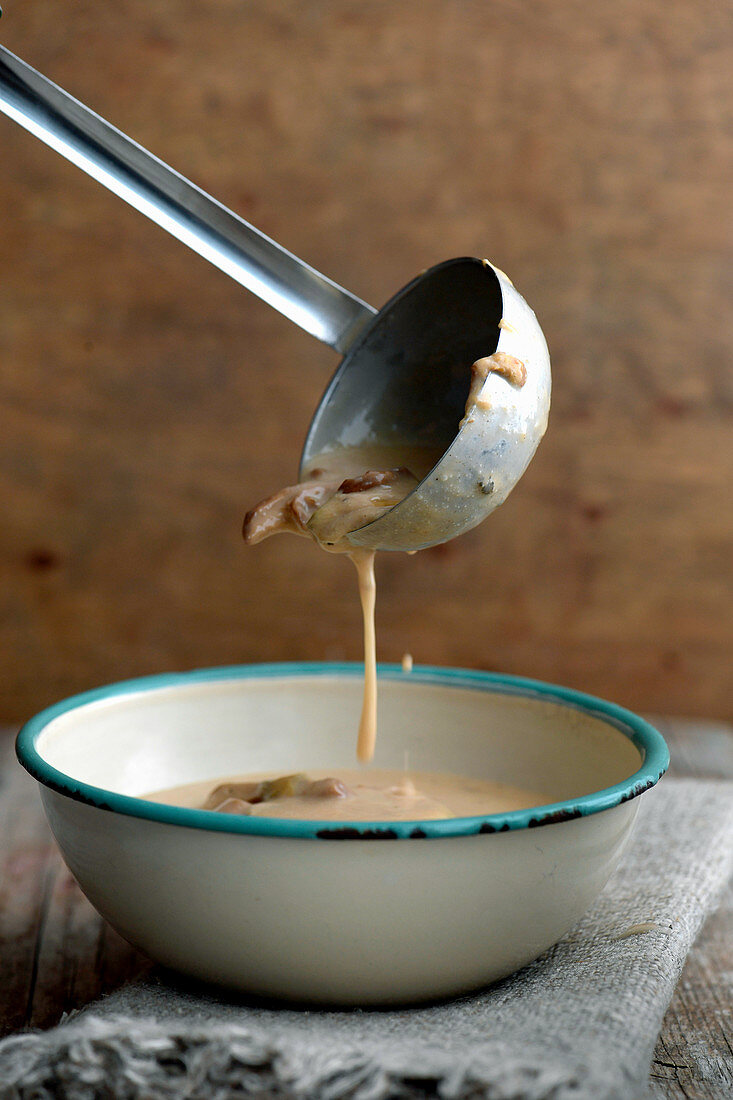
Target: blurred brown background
{"points": [[147, 401]]}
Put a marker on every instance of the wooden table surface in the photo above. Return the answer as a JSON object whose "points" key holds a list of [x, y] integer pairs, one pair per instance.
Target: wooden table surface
{"points": [[57, 954]]}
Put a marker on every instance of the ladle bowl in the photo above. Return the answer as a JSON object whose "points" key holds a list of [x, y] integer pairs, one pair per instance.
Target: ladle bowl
{"points": [[405, 380]]}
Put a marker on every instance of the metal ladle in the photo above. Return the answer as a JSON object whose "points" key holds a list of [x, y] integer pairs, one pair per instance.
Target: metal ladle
{"points": [[406, 369]]}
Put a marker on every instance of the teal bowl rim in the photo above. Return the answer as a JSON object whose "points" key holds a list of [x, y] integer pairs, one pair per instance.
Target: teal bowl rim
{"points": [[651, 744]]}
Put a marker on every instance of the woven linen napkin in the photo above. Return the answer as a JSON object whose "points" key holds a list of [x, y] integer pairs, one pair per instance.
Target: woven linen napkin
{"points": [[580, 1022]]}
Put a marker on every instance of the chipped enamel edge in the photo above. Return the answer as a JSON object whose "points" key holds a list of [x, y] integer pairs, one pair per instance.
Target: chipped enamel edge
{"points": [[644, 736]]}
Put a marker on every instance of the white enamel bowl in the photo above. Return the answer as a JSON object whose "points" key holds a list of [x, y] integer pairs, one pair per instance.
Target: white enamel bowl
{"points": [[365, 914]]}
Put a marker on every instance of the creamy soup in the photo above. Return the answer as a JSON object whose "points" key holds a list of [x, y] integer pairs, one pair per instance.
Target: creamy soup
{"points": [[352, 795]]}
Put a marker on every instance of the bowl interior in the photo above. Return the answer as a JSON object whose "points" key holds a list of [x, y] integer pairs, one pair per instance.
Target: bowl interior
{"points": [[143, 739]]}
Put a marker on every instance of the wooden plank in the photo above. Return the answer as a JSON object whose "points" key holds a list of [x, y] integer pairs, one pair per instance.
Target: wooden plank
{"points": [[148, 401], [56, 953], [29, 866], [693, 1059]]}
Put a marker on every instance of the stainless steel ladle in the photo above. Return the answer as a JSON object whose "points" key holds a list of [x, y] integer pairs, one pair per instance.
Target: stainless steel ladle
{"points": [[406, 369]]}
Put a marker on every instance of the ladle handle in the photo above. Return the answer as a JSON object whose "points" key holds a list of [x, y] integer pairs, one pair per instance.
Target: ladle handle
{"points": [[308, 298]]}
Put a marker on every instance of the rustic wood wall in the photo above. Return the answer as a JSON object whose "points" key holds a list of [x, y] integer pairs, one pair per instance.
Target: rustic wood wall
{"points": [[147, 401]]}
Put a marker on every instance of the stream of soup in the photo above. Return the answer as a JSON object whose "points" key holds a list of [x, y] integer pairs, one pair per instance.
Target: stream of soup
{"points": [[343, 490]]}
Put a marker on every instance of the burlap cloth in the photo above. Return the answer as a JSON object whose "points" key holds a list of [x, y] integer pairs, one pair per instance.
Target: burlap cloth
{"points": [[580, 1022]]}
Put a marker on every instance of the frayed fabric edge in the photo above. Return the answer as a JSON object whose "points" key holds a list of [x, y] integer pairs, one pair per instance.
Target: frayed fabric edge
{"points": [[115, 1057]]}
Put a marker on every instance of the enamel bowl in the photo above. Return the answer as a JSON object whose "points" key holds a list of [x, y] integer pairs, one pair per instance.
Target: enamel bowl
{"points": [[362, 913]]}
